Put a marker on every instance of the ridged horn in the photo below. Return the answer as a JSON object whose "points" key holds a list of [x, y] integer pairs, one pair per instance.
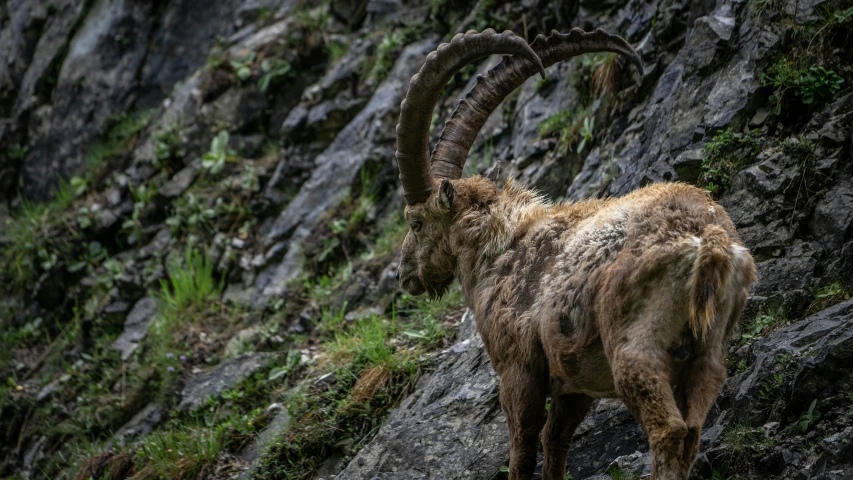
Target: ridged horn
{"points": [[471, 114], [424, 90]]}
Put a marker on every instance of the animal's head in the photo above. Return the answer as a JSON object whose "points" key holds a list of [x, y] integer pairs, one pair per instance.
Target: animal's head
{"points": [[435, 197], [427, 263]]}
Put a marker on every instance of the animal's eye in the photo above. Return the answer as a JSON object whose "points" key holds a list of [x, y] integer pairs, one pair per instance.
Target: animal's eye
{"points": [[416, 225]]}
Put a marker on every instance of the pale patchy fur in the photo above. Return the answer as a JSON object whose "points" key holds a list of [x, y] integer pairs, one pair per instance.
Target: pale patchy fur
{"points": [[629, 297]]}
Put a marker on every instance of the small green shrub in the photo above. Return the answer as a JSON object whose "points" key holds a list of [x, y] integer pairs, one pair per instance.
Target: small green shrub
{"points": [[17, 152], [586, 132], [762, 324], [811, 416], [167, 146], [724, 156], [29, 248], [828, 295], [214, 160], [337, 49], [243, 68], [133, 226], [273, 70], [808, 83]]}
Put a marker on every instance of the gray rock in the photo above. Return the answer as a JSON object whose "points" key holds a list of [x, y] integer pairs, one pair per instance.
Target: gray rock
{"points": [[222, 377], [142, 424], [688, 165], [451, 427], [179, 183], [136, 327], [279, 424], [834, 215], [709, 39], [790, 368]]}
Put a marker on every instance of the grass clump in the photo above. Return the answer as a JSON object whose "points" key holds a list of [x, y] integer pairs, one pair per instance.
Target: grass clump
{"points": [[191, 286], [387, 51], [724, 156], [619, 474], [828, 295], [118, 136], [741, 437], [182, 453], [185, 298], [568, 124]]}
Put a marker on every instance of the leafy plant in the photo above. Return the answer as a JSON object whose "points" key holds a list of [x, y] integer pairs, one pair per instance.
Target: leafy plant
{"points": [[93, 255], [191, 213], [721, 472], [586, 132], [742, 437], [133, 225], [272, 70], [214, 160], [828, 295], [167, 146], [17, 152], [811, 416], [79, 186], [808, 83], [243, 68], [843, 16], [761, 324]]}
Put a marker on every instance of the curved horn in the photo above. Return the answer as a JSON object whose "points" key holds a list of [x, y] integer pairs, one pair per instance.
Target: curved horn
{"points": [[471, 114], [424, 90]]}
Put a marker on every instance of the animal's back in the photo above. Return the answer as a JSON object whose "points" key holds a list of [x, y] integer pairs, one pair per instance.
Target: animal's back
{"points": [[660, 245]]}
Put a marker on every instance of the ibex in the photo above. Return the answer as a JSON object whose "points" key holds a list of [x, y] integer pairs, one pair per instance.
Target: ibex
{"points": [[630, 298]]}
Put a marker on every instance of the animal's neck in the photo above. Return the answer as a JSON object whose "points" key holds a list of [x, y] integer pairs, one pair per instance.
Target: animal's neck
{"points": [[480, 237]]}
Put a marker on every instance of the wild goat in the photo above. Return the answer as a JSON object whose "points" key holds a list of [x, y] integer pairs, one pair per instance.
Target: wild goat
{"points": [[629, 298]]}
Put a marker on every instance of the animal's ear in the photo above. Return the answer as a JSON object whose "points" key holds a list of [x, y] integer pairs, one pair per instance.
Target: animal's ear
{"points": [[445, 194]]}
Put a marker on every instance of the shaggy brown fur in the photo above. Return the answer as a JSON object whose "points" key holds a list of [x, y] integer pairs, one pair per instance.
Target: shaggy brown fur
{"points": [[629, 297]]}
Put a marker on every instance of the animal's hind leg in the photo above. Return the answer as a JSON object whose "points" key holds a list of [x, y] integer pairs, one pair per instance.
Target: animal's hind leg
{"points": [[642, 381], [564, 416], [523, 403], [697, 389]]}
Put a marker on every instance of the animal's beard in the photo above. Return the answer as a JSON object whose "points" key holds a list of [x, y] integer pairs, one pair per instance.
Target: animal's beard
{"points": [[436, 287]]}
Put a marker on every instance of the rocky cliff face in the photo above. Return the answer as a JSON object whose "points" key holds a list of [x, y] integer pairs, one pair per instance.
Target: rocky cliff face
{"points": [[201, 218]]}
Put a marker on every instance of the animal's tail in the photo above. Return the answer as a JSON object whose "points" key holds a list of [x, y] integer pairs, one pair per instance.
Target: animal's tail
{"points": [[710, 274]]}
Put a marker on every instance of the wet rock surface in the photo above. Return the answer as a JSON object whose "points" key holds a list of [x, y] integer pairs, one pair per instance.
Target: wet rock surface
{"points": [[228, 374]]}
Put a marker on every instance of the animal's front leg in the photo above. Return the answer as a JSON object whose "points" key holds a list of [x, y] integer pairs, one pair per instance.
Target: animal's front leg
{"points": [[564, 416], [523, 403]]}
